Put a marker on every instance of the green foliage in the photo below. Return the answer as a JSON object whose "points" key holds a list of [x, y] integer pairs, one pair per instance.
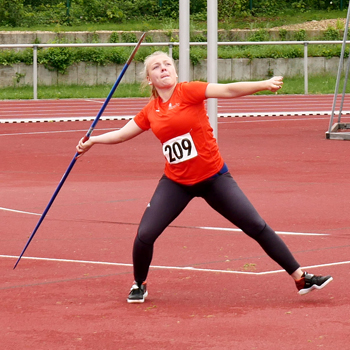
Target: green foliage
{"points": [[11, 12], [283, 34], [114, 38], [111, 12], [101, 11], [198, 38], [117, 55], [139, 8], [267, 51], [300, 35], [129, 37], [143, 52], [56, 58], [196, 54], [27, 13], [97, 55], [18, 77], [332, 34], [299, 5], [169, 9], [8, 58], [334, 51], [305, 5], [25, 56], [268, 7], [60, 58], [37, 3], [260, 35], [227, 9]]}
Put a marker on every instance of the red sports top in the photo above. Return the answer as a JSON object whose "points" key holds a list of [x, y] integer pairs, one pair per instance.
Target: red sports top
{"points": [[182, 126]]}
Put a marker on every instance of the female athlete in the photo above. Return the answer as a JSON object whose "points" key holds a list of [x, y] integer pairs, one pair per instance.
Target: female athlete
{"points": [[194, 168]]}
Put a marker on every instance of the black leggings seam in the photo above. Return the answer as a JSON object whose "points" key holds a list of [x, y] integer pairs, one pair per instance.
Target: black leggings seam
{"points": [[259, 233]]}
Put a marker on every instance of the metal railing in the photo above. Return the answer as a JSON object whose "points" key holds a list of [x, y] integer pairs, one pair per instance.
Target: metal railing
{"points": [[170, 46]]}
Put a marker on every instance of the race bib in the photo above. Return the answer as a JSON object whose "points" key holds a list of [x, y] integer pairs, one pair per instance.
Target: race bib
{"points": [[179, 149]]}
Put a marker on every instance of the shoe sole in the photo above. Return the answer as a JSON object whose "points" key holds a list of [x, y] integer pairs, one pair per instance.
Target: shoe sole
{"points": [[306, 291], [138, 301]]}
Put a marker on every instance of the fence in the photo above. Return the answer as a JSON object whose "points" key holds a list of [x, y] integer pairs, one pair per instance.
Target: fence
{"points": [[170, 46]]}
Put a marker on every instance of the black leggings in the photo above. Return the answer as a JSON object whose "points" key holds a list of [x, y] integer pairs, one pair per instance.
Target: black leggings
{"points": [[222, 194]]}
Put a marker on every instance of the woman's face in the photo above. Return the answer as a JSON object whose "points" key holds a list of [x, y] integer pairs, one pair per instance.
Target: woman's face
{"points": [[161, 72]]}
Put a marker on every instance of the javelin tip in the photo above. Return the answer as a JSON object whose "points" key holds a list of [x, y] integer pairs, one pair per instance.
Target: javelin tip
{"points": [[136, 48], [17, 262]]}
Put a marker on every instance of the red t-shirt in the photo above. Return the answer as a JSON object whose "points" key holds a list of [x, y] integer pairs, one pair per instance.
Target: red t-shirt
{"points": [[182, 126]]}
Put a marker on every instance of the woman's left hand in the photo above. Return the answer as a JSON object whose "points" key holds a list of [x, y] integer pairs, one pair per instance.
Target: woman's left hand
{"points": [[274, 84]]}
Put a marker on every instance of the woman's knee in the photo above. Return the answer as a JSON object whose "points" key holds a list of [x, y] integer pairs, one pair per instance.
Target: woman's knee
{"points": [[255, 228], [147, 235]]}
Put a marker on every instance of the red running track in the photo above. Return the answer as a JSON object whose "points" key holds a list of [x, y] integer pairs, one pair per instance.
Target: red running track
{"points": [[122, 108], [210, 286]]}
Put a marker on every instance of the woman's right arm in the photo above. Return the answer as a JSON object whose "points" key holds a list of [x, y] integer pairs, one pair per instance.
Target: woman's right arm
{"points": [[127, 132]]}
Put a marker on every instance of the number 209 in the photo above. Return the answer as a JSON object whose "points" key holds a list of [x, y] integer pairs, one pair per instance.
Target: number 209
{"points": [[177, 149]]}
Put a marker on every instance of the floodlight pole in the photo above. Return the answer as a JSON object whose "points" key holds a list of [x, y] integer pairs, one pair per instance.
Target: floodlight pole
{"points": [[212, 60]]}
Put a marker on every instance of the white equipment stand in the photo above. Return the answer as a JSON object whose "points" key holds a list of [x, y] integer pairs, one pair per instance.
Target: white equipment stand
{"points": [[335, 131]]}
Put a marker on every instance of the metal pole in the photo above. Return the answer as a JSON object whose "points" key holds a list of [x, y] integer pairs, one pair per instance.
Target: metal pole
{"points": [[184, 38], [212, 62], [306, 80], [67, 12], [35, 72], [68, 6], [171, 50], [344, 90], [340, 67]]}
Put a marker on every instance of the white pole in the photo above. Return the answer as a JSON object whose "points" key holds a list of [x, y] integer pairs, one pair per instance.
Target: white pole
{"points": [[306, 82], [184, 39], [212, 63], [35, 72]]}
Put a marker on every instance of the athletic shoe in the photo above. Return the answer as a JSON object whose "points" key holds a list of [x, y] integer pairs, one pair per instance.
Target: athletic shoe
{"points": [[309, 282], [138, 293]]}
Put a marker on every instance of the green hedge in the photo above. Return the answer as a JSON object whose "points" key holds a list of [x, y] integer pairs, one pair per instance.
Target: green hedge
{"points": [[60, 58], [27, 13]]}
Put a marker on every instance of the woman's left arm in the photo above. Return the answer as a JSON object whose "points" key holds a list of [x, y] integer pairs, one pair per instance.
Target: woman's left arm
{"points": [[239, 89]]}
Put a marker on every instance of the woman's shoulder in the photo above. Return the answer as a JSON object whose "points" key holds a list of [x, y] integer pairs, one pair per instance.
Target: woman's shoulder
{"points": [[192, 90], [151, 102]]}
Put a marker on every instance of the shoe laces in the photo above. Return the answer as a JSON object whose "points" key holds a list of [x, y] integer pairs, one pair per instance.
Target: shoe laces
{"points": [[134, 287]]}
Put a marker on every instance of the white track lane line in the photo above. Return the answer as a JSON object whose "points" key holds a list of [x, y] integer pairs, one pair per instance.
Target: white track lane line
{"points": [[188, 268], [198, 227], [128, 117], [278, 232], [220, 121], [54, 132], [62, 119], [18, 211]]}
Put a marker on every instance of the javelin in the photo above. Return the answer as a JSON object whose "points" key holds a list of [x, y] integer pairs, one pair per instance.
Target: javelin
{"points": [[86, 137]]}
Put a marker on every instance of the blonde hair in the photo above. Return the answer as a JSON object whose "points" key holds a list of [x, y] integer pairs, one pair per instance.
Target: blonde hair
{"points": [[144, 73]]}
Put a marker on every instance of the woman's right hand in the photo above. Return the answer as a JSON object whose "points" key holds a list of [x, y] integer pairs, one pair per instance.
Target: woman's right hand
{"points": [[83, 146]]}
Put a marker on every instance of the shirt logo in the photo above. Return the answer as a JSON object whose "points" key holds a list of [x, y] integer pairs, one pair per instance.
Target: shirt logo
{"points": [[170, 107]]}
